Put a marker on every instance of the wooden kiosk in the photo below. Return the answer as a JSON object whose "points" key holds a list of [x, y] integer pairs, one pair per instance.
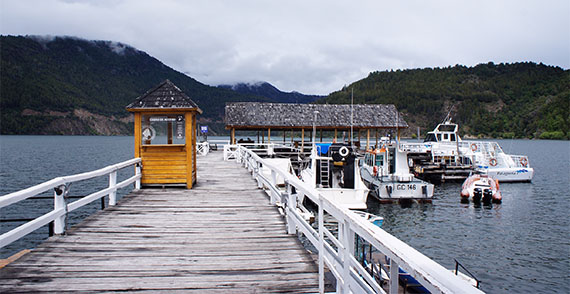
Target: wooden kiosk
{"points": [[165, 136]]}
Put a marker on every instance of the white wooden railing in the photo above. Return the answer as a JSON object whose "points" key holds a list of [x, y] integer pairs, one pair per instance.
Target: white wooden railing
{"points": [[337, 252], [61, 187]]}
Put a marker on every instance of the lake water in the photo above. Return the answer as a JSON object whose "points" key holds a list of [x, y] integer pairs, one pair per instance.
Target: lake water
{"points": [[519, 246]]}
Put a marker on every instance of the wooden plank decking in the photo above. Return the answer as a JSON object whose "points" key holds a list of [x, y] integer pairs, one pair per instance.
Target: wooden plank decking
{"points": [[222, 236]]}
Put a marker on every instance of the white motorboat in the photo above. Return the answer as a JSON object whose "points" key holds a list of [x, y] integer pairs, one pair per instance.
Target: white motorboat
{"points": [[333, 170], [386, 172], [446, 146], [481, 188]]}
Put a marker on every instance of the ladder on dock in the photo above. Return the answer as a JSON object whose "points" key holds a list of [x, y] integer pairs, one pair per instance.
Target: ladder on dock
{"points": [[324, 173]]}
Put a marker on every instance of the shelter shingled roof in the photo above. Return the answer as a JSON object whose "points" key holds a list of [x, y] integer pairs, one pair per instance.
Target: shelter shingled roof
{"points": [[165, 95], [251, 115]]}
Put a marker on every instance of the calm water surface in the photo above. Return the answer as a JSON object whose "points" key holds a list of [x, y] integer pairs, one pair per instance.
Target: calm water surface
{"points": [[519, 246]]}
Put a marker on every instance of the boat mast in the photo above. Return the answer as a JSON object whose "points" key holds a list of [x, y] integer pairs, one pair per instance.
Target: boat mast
{"points": [[351, 114]]}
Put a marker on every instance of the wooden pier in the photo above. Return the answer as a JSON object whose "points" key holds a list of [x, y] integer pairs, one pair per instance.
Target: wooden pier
{"points": [[222, 236]]}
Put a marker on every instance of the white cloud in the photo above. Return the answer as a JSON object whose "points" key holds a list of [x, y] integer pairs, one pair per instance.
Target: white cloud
{"points": [[314, 47]]}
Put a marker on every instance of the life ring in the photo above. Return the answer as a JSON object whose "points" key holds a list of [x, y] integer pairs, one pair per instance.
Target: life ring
{"points": [[524, 162], [343, 151], [375, 170], [473, 147], [493, 162]]}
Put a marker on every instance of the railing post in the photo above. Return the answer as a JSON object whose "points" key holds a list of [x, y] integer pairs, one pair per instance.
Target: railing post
{"points": [[112, 184], [347, 242], [258, 171], [394, 275], [274, 183], [291, 206], [321, 248], [138, 172], [59, 203]]}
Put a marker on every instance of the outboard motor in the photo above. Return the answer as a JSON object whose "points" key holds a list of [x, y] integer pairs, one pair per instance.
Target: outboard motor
{"points": [[487, 196], [477, 195], [343, 156]]}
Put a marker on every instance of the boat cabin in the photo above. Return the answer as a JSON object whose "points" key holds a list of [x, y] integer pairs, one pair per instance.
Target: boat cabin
{"points": [[165, 136], [444, 132], [388, 160]]}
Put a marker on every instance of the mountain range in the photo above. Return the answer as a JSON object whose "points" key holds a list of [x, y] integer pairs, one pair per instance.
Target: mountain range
{"points": [[265, 89], [67, 85]]}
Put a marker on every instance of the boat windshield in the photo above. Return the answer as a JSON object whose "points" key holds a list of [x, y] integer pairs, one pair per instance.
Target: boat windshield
{"points": [[430, 138], [379, 160], [446, 128]]}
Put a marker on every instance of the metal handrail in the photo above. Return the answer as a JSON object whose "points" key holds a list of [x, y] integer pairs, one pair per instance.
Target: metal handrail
{"points": [[60, 185], [458, 264], [340, 259]]}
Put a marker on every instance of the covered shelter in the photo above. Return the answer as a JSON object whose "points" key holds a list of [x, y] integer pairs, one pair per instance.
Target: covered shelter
{"points": [[165, 135], [300, 117]]}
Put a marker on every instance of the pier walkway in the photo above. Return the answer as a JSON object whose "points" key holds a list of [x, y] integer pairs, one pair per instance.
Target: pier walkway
{"points": [[222, 236]]}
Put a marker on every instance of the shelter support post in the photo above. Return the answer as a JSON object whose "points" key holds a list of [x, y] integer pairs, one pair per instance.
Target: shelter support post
{"points": [[367, 139], [398, 131], [233, 136], [269, 135], [302, 140], [377, 138]]}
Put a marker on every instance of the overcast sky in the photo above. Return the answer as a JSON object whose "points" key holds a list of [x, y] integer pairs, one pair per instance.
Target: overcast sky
{"points": [[314, 47]]}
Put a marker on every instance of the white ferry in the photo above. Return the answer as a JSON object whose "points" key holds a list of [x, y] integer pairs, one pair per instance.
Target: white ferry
{"points": [[333, 170], [386, 172], [445, 145]]}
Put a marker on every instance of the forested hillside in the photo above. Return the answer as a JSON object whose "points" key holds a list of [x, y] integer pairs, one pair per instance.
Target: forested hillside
{"points": [[66, 85], [520, 100]]}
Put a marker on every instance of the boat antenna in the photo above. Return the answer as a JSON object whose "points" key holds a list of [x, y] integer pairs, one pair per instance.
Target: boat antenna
{"points": [[448, 116], [351, 113]]}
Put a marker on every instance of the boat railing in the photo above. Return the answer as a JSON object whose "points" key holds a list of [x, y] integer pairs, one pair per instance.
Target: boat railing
{"points": [[61, 188], [520, 160], [336, 250]]}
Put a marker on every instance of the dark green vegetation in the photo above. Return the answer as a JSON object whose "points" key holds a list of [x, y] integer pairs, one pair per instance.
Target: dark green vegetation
{"points": [[520, 100], [40, 77], [67, 85]]}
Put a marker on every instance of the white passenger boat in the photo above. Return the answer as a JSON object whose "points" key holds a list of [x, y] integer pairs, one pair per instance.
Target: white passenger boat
{"points": [[387, 175], [333, 170], [446, 146]]}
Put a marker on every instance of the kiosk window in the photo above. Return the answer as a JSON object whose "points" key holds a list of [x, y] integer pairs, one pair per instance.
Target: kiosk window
{"points": [[163, 129]]}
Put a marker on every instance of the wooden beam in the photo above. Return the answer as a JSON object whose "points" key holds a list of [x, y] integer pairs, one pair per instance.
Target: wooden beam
{"points": [[302, 140], [367, 139], [233, 136], [190, 134], [335, 135], [138, 135], [269, 135], [194, 159], [377, 139]]}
